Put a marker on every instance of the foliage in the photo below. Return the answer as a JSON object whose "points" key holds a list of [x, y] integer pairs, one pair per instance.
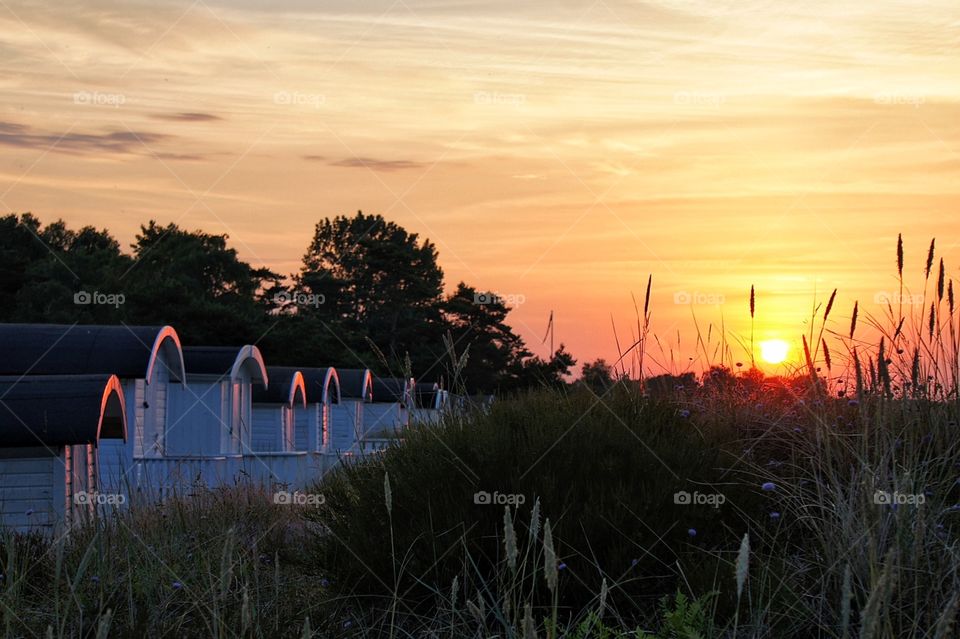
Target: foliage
{"points": [[369, 294]]}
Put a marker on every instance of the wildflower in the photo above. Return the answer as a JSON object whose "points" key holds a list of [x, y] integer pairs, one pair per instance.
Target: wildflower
{"points": [[561, 566], [324, 583], [692, 532], [774, 516], [95, 579], [633, 562], [769, 486], [177, 585], [684, 414], [853, 402]]}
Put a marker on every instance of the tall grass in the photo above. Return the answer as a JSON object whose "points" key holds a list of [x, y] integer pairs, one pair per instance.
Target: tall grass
{"points": [[592, 541]]}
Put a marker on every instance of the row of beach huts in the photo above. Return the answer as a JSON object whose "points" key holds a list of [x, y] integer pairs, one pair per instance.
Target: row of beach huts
{"points": [[94, 415]]}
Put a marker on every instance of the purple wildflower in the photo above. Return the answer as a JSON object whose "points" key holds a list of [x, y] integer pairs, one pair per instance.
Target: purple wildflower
{"points": [[684, 414], [177, 585], [692, 532], [769, 486], [775, 516]]}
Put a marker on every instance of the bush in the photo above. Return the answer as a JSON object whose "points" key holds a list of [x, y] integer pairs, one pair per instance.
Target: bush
{"points": [[605, 472]]}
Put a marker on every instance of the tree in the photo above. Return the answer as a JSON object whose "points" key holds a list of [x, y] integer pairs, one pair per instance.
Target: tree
{"points": [[195, 282], [598, 375], [377, 282], [54, 274], [478, 322], [536, 372]]}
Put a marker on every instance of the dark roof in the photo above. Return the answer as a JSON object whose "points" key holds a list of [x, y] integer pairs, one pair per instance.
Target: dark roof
{"points": [[223, 360], [283, 382], [63, 349], [390, 389], [60, 410], [355, 383], [426, 395], [316, 380]]}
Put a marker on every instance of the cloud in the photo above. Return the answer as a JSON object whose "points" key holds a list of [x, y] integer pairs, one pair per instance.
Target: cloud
{"points": [[77, 143], [314, 158], [378, 165], [189, 116]]}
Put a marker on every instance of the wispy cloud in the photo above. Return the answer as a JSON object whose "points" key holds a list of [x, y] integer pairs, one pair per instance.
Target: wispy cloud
{"points": [[188, 116], [24, 137], [378, 165]]}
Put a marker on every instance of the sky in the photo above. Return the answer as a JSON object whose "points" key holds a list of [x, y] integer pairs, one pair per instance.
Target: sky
{"points": [[557, 152]]}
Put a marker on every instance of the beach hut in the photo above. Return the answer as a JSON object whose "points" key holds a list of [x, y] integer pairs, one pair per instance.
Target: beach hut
{"points": [[275, 411], [209, 419], [428, 403], [211, 414], [51, 431], [146, 360], [389, 413], [312, 426], [356, 393]]}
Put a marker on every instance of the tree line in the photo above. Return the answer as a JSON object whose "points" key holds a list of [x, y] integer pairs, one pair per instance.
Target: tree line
{"points": [[368, 294]]}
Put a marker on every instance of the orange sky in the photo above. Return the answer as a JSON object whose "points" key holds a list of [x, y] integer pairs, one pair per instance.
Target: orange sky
{"points": [[556, 151]]}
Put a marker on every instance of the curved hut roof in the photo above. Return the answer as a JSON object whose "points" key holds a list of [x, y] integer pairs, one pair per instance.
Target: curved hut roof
{"points": [[392, 389], [225, 362], [287, 385], [61, 410], [320, 384], [356, 383], [129, 352]]}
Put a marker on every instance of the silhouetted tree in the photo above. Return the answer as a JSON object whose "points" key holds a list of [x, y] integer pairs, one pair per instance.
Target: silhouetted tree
{"points": [[536, 372], [193, 281], [478, 323], [54, 274], [377, 282], [598, 375]]}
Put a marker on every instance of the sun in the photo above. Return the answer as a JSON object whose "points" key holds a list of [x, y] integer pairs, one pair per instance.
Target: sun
{"points": [[774, 351]]}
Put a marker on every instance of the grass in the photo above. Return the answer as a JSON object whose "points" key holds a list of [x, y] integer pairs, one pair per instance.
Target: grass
{"points": [[819, 532]]}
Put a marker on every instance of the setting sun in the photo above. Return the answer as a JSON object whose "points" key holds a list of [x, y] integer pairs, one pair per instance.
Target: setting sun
{"points": [[774, 351]]}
